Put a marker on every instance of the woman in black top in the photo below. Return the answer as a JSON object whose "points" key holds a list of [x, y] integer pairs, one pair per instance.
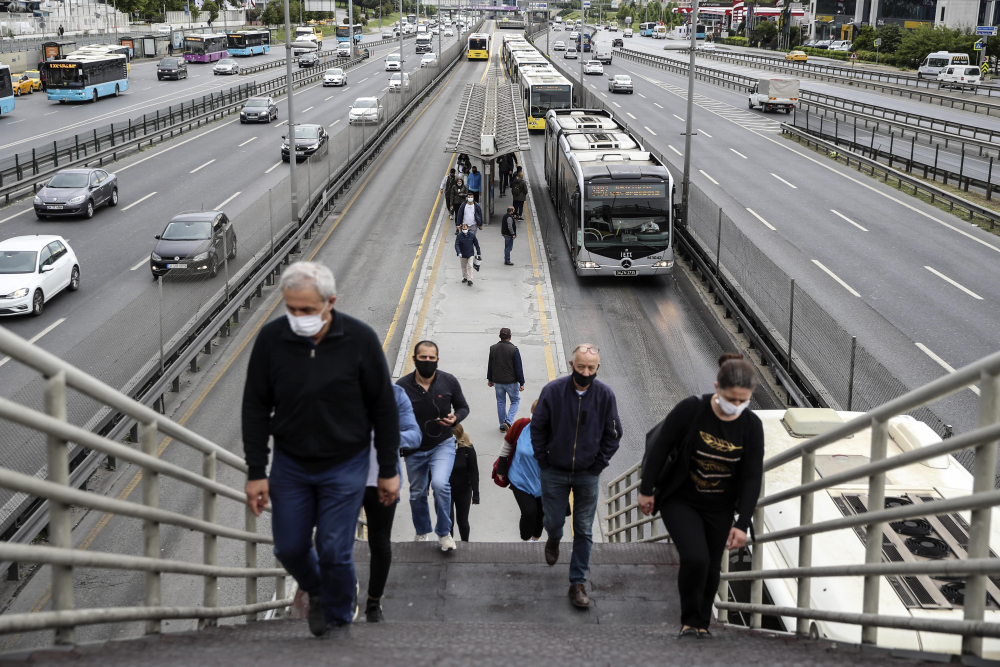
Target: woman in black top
{"points": [[464, 482], [704, 463]]}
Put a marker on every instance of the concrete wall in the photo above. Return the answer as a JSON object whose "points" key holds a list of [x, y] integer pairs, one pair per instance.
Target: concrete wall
{"points": [[21, 60], [958, 13]]}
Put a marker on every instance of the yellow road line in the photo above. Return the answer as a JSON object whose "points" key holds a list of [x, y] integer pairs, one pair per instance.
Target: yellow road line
{"points": [[422, 318], [550, 365]]}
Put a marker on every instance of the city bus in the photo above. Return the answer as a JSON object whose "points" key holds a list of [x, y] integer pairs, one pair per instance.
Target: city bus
{"points": [[86, 77], [526, 61], [92, 49], [479, 46], [411, 19], [6, 90], [646, 29], [612, 198], [205, 48], [543, 89], [343, 31], [304, 33], [248, 42]]}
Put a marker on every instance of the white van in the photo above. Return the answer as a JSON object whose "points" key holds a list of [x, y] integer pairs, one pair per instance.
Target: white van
{"points": [[660, 32], [959, 76], [627, 32], [933, 64]]}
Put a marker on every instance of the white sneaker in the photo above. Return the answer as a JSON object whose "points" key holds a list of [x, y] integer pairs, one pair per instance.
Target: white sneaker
{"points": [[421, 537], [447, 543]]}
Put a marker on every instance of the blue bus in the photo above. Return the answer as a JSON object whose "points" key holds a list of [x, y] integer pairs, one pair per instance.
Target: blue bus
{"points": [[343, 32], [646, 29], [248, 42], [699, 32], [86, 77], [6, 91]]}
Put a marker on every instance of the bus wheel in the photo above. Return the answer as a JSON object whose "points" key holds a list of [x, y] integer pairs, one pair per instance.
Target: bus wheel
{"points": [[116, 90], [94, 98]]}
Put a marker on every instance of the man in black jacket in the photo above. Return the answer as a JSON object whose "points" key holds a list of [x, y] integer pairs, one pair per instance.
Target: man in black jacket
{"points": [[508, 227], [317, 381]]}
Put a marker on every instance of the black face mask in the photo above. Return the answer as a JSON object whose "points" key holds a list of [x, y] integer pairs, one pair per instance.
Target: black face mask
{"points": [[426, 368], [583, 380]]}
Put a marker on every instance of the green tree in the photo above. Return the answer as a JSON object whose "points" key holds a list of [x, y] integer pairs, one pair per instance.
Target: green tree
{"points": [[765, 32], [865, 41], [212, 9], [273, 14], [891, 36], [916, 44], [195, 12]]}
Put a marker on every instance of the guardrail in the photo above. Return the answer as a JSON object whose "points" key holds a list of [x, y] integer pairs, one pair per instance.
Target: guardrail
{"points": [[325, 59]]}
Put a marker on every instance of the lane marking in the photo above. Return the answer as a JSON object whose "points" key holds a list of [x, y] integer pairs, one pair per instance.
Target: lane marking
{"points": [[172, 146], [49, 113], [38, 335], [956, 284], [841, 215], [766, 223], [678, 118], [656, 105], [139, 201], [739, 153], [619, 106], [943, 364], [142, 262], [784, 181], [641, 95], [329, 98], [603, 95], [705, 133], [835, 277], [675, 150], [247, 142], [16, 214], [649, 130], [276, 165], [335, 122], [630, 116], [202, 166], [309, 109], [281, 123], [708, 177], [228, 200], [364, 79]]}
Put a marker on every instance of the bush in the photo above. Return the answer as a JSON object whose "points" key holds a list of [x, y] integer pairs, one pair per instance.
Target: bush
{"points": [[736, 41]]}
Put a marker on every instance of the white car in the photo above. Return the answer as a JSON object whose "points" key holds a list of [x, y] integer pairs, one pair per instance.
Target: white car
{"points": [[705, 46], [620, 83], [429, 60], [399, 82], [448, 32], [559, 46], [435, 30], [627, 32], [334, 77], [226, 66], [593, 67], [33, 269], [365, 110], [344, 50], [393, 62], [570, 54], [388, 34]]}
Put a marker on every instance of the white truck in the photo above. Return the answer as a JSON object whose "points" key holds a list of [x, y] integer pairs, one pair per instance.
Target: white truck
{"points": [[773, 94], [603, 53]]}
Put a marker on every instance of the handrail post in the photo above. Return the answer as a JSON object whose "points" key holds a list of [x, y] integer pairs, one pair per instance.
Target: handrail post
{"points": [[618, 518], [983, 472], [803, 598], [723, 617], [628, 512], [60, 524], [250, 524], [757, 563], [873, 532], [151, 529], [210, 549]]}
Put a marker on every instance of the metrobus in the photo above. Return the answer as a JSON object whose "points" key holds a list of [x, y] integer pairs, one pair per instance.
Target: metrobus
{"points": [[92, 49], [303, 33], [86, 77], [411, 19], [248, 42], [6, 90], [613, 199], [525, 61], [205, 48], [543, 89], [343, 31], [479, 46], [646, 29]]}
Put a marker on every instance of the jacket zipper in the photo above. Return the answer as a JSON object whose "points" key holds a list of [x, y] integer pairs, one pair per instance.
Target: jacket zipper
{"points": [[576, 435]]}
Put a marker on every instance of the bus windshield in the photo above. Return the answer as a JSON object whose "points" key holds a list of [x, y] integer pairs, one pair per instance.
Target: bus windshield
{"points": [[344, 31], [60, 75], [477, 44], [545, 97], [619, 214], [195, 46]]}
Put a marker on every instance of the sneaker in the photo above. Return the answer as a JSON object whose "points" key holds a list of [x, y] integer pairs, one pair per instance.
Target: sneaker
{"points": [[507, 425], [421, 537], [447, 543], [504, 426], [470, 283], [317, 624], [508, 263], [465, 280], [373, 612]]}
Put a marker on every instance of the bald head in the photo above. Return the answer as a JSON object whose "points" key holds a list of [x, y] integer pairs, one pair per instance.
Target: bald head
{"points": [[586, 359]]}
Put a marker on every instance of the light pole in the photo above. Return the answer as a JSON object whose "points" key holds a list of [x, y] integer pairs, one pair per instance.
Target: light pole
{"points": [[350, 25], [689, 121], [291, 114]]}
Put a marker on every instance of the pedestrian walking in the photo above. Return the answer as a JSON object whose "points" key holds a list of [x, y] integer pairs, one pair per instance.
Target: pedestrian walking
{"points": [[467, 248], [517, 466], [506, 167], [505, 374], [469, 213], [378, 516], [508, 227], [438, 404], [317, 382], [519, 192], [464, 482], [62, 31], [575, 431], [446, 187], [475, 183], [457, 196], [170, 49], [704, 463]]}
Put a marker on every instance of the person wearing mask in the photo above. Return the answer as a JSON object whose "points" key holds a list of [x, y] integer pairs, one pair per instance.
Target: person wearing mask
{"points": [[508, 228], [475, 183], [446, 185], [318, 384], [457, 196], [379, 517], [506, 375], [519, 192], [520, 469], [575, 430], [464, 482], [469, 213], [438, 404], [703, 464], [467, 248]]}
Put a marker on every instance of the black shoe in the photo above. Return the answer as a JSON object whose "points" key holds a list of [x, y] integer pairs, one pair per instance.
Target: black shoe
{"points": [[508, 263], [551, 551], [373, 612], [470, 283], [317, 624], [705, 634], [688, 632], [337, 630], [465, 280]]}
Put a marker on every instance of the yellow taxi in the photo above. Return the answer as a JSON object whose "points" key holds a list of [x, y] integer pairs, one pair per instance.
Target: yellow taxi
{"points": [[36, 79], [21, 84], [796, 56]]}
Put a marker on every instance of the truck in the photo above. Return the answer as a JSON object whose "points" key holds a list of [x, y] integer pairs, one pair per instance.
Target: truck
{"points": [[603, 50], [424, 43], [773, 94]]}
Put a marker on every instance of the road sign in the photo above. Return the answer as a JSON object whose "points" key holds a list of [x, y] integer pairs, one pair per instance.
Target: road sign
{"points": [[978, 46], [854, 55], [985, 69], [586, 4], [986, 30], [878, 42]]}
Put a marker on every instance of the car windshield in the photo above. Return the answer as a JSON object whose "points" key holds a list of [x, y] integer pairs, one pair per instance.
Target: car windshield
{"points": [[69, 181], [187, 231], [227, 61], [365, 104], [626, 214], [396, 77], [336, 71], [17, 261], [305, 132], [622, 79], [392, 56], [168, 62], [257, 103]]}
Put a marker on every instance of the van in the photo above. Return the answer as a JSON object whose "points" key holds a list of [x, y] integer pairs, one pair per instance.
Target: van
{"points": [[840, 45], [933, 64], [660, 32], [959, 76], [603, 53]]}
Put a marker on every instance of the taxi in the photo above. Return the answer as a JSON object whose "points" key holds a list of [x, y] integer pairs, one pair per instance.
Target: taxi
{"points": [[21, 83], [36, 79], [799, 56]]}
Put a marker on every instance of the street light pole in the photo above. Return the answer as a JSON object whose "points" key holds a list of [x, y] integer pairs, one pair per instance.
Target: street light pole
{"points": [[689, 121], [291, 114], [350, 25], [401, 41]]}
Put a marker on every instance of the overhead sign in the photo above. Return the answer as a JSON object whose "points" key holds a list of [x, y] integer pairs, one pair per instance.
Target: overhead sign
{"points": [[539, 5], [978, 46], [586, 4], [986, 30]]}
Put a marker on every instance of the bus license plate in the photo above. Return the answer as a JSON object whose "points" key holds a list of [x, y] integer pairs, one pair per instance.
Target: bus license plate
{"points": [[631, 272], [177, 266], [53, 208]]}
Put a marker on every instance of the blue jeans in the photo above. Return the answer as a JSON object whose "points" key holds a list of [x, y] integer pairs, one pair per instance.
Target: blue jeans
{"points": [[503, 391], [435, 464], [329, 501], [556, 485], [508, 245]]}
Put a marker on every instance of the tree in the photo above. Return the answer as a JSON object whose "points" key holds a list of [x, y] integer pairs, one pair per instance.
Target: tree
{"points": [[211, 9], [916, 44], [765, 32], [274, 13], [195, 12], [865, 41], [891, 36]]}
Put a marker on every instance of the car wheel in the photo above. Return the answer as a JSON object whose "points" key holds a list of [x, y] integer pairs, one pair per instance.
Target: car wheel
{"points": [[215, 267], [749, 104], [89, 212], [74, 279], [242, 122], [159, 78], [114, 198], [37, 303], [232, 252], [31, 91]]}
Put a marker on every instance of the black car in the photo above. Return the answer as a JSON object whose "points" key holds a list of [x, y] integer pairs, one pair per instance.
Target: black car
{"points": [[309, 140], [308, 59], [76, 192], [194, 243], [259, 110], [618, 41], [172, 68]]}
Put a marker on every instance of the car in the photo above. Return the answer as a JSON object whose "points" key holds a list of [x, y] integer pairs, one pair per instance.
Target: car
{"points": [[810, 44], [620, 83], [226, 66], [822, 44], [570, 54], [171, 68], [365, 110], [619, 42], [193, 242], [310, 139], [448, 32], [163, 30], [429, 60], [559, 46], [393, 62], [344, 50], [388, 34], [334, 77], [593, 67], [76, 192], [959, 76], [21, 83], [435, 31], [36, 78], [574, 35], [705, 46], [399, 82], [627, 32], [258, 110], [33, 269], [308, 59], [796, 56]]}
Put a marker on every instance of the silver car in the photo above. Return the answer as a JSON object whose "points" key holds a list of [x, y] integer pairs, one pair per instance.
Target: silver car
{"points": [[226, 66], [620, 83], [429, 60], [334, 76], [365, 110], [559, 46], [399, 82], [571, 54]]}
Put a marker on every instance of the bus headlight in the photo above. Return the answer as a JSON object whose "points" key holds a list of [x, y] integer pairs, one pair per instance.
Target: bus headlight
{"points": [[586, 264], [664, 264]]}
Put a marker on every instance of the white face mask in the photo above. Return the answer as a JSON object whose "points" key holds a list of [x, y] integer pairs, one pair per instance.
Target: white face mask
{"points": [[729, 408], [465, 231], [305, 325]]}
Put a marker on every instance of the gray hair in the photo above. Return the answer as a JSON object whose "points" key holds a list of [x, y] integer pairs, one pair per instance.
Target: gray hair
{"points": [[303, 275]]}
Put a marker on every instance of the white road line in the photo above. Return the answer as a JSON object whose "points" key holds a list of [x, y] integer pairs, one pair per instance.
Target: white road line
{"points": [[708, 177], [678, 118], [739, 153], [38, 335], [201, 167], [593, 86], [784, 181], [24, 119], [641, 95], [281, 123], [276, 165], [16, 214], [766, 223], [841, 215], [705, 133], [228, 200], [649, 130], [143, 262], [620, 106], [364, 79], [384, 89], [836, 277], [49, 113], [309, 109], [657, 105], [958, 285], [170, 147], [942, 363], [603, 95], [246, 142], [335, 122], [139, 201], [630, 116], [675, 150], [329, 98]]}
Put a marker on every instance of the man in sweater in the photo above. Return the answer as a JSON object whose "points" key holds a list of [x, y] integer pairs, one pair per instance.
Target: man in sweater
{"points": [[508, 227], [317, 382], [504, 373]]}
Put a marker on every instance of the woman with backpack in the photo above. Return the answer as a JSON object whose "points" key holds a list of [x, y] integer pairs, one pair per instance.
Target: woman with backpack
{"points": [[703, 464], [517, 465]]}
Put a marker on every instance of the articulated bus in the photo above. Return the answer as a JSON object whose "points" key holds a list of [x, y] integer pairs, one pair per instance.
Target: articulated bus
{"points": [[6, 90], [205, 48], [248, 42], [344, 31], [479, 46], [541, 90], [526, 62], [86, 77], [612, 198]]}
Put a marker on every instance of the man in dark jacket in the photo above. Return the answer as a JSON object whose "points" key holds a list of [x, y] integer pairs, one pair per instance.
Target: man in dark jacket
{"points": [[469, 213], [519, 191], [446, 186], [456, 195], [505, 374], [317, 381], [507, 163], [575, 430], [508, 227]]}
